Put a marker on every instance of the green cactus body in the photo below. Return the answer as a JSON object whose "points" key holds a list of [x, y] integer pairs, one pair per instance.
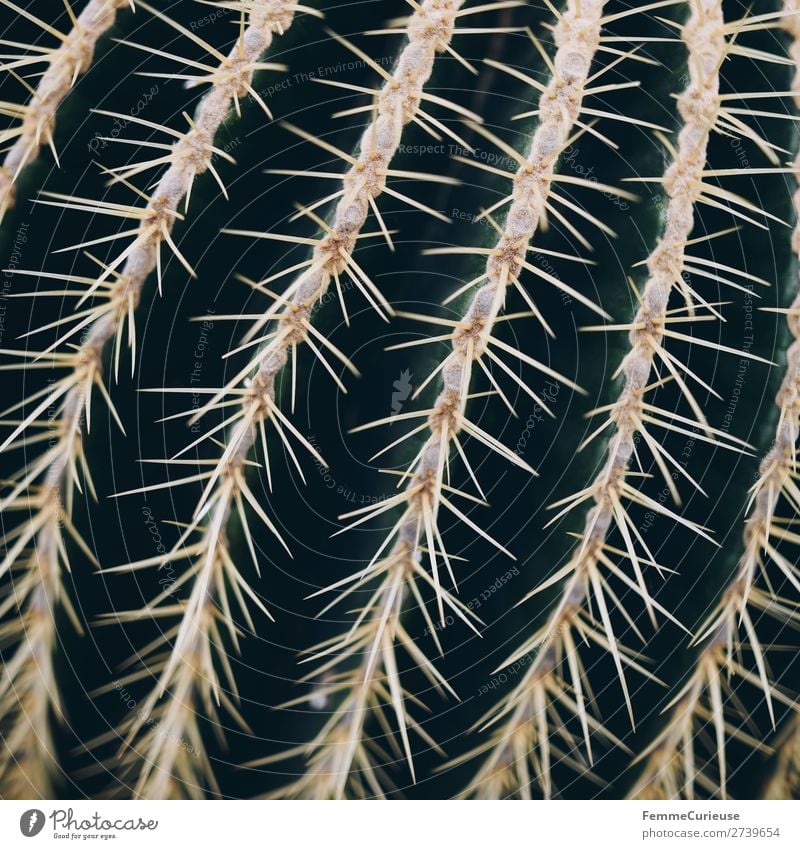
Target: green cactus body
{"points": [[457, 453]]}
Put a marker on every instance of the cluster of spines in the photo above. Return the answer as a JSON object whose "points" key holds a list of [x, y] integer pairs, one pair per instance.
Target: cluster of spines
{"points": [[414, 552], [361, 668], [359, 674], [289, 325], [187, 154], [65, 62], [555, 686], [675, 764], [784, 780], [36, 553]]}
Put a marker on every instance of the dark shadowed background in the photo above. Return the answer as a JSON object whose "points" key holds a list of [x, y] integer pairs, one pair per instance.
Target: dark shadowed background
{"points": [[176, 352]]}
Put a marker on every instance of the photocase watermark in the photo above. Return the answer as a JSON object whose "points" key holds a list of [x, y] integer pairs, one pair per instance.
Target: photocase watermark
{"points": [[504, 162], [195, 377], [210, 18], [329, 482], [744, 361], [569, 159], [479, 154], [52, 413], [740, 151], [322, 72], [147, 719], [476, 602], [744, 365], [100, 140], [230, 145], [167, 572], [683, 461], [505, 676], [549, 393], [31, 822], [474, 218], [331, 294], [402, 391], [65, 825], [20, 238], [539, 259]]}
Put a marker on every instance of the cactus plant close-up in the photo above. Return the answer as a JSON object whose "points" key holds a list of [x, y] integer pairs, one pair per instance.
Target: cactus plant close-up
{"points": [[400, 400]]}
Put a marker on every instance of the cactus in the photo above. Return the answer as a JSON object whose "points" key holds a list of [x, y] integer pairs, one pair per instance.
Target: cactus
{"points": [[30, 672], [595, 255], [64, 63]]}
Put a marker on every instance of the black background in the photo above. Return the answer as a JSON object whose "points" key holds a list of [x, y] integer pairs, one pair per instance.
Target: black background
{"points": [[267, 669]]}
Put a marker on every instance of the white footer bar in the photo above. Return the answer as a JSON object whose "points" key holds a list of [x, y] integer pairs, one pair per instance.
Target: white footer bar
{"points": [[402, 825]]}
